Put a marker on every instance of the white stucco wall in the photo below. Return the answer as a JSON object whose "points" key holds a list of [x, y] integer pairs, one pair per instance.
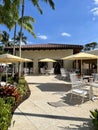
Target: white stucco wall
{"points": [[36, 55]]}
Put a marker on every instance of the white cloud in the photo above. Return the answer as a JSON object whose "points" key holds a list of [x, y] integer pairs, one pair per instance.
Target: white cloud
{"points": [[29, 42], [43, 37], [95, 11], [65, 34], [96, 2]]}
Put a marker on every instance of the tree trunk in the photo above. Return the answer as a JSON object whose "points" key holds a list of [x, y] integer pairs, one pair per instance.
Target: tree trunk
{"points": [[21, 36], [14, 50]]}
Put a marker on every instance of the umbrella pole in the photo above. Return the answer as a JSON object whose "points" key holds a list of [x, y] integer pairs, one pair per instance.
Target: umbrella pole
{"points": [[97, 65], [81, 67], [6, 74]]}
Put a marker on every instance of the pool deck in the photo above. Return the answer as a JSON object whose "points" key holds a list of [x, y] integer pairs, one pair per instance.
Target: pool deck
{"points": [[49, 107]]}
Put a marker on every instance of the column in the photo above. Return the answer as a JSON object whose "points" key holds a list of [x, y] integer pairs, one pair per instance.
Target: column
{"points": [[35, 66], [50, 65]]}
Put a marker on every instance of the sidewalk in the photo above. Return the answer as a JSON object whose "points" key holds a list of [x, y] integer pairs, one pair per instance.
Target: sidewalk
{"points": [[49, 108]]}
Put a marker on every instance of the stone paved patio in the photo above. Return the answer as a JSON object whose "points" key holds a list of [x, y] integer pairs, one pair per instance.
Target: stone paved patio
{"points": [[49, 107]]}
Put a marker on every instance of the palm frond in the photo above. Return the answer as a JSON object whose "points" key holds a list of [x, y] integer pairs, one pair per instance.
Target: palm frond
{"points": [[9, 13], [35, 3], [51, 3], [29, 30], [26, 19]]}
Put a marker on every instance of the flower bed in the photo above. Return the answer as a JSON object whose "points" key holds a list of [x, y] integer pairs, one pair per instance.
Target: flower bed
{"points": [[10, 98]]}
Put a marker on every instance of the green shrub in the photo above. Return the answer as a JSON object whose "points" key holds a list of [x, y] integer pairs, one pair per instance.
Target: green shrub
{"points": [[22, 86], [10, 97], [22, 81], [10, 80], [10, 100], [94, 118], [5, 115]]}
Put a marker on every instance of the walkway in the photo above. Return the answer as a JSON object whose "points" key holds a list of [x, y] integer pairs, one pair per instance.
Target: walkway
{"points": [[49, 108]]}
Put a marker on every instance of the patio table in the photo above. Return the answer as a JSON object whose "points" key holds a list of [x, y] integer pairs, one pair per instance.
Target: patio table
{"points": [[89, 81]]}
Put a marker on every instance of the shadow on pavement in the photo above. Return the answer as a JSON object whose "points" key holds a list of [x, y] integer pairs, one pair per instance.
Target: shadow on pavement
{"points": [[66, 101], [84, 126], [54, 87], [53, 116]]}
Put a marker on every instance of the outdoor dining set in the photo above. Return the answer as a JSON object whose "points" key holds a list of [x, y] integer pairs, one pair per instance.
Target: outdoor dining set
{"points": [[83, 85]]}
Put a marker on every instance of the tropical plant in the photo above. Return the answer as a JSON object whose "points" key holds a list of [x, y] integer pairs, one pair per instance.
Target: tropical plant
{"points": [[27, 25], [10, 98], [5, 38], [10, 91], [36, 4], [24, 39], [89, 46], [94, 118], [9, 12]]}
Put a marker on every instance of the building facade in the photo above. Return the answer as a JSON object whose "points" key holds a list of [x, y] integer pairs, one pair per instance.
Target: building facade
{"points": [[41, 51]]}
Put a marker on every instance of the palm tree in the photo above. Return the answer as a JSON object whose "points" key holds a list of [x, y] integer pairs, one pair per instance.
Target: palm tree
{"points": [[17, 39], [5, 38], [27, 25], [9, 12], [36, 4], [93, 44], [86, 47], [90, 46]]}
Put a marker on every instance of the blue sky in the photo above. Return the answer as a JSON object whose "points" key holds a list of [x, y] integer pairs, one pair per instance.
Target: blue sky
{"points": [[72, 22]]}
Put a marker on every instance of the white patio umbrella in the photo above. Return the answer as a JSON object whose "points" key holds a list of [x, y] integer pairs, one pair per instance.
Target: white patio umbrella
{"points": [[27, 60], [6, 58], [81, 56], [47, 60]]}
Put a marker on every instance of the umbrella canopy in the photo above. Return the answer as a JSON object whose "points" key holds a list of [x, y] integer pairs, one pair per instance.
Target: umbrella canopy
{"points": [[81, 56], [6, 58], [47, 60], [28, 60]]}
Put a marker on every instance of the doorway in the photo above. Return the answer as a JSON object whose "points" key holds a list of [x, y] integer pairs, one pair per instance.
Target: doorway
{"points": [[57, 65]]}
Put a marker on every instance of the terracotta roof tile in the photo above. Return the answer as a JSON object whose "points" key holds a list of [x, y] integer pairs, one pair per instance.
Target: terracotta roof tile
{"points": [[48, 46]]}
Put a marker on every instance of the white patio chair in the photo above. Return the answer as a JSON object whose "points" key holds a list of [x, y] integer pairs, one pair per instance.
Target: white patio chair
{"points": [[77, 86], [51, 71], [42, 71], [63, 73], [95, 77]]}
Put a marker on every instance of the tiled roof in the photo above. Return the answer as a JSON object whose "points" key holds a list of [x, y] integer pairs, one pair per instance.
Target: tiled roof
{"points": [[48, 46]]}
